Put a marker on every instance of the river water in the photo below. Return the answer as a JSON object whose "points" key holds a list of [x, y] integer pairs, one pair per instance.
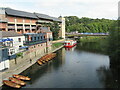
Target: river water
{"points": [[71, 68]]}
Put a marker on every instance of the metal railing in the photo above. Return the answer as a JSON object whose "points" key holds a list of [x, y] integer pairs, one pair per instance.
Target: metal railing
{"points": [[34, 42]]}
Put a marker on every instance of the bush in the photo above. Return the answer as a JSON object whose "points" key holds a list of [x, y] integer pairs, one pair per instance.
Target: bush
{"points": [[19, 54]]}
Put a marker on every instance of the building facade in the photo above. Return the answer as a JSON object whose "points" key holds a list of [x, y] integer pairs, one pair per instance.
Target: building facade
{"points": [[25, 22], [4, 61], [12, 40]]}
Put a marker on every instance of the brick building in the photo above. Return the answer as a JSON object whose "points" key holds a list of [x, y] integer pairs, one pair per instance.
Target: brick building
{"points": [[34, 26], [23, 22]]}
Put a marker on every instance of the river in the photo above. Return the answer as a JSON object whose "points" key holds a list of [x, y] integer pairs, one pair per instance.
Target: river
{"points": [[72, 68]]}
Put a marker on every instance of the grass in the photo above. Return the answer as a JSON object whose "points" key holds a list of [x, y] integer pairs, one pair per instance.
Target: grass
{"points": [[95, 43], [57, 44], [93, 39], [19, 54]]}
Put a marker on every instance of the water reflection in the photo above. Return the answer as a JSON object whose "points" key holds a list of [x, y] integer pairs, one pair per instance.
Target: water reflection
{"points": [[73, 68], [112, 74]]}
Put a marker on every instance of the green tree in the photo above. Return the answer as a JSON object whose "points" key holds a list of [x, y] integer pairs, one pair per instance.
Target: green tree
{"points": [[55, 30]]}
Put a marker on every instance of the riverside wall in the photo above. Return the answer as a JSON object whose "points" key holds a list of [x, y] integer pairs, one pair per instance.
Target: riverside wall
{"points": [[20, 64]]}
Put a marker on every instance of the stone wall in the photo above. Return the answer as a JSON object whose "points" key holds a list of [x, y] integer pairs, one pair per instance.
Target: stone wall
{"points": [[27, 55]]}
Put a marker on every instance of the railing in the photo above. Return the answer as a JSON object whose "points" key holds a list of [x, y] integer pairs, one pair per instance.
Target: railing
{"points": [[33, 27], [19, 27], [27, 27], [34, 42], [11, 27]]}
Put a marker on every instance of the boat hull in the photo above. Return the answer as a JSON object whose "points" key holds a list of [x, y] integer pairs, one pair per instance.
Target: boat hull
{"points": [[69, 46], [11, 84], [21, 77], [17, 81]]}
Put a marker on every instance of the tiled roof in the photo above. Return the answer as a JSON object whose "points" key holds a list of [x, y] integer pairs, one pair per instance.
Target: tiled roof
{"points": [[44, 16], [45, 29], [9, 34], [56, 19], [18, 13], [13, 12], [3, 21]]}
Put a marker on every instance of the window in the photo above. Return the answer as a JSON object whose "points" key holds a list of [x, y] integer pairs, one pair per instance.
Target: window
{"points": [[44, 37], [41, 37], [19, 39], [35, 38], [31, 38]]}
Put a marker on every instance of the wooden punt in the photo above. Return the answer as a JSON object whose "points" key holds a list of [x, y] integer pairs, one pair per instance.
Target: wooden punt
{"points": [[39, 62], [11, 84], [21, 77], [43, 62], [17, 81], [46, 58]]}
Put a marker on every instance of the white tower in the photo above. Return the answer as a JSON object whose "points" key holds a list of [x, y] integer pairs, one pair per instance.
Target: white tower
{"points": [[62, 29]]}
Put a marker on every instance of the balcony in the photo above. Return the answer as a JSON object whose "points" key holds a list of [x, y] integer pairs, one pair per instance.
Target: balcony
{"points": [[27, 27], [29, 43], [19, 27], [33, 27], [11, 27]]}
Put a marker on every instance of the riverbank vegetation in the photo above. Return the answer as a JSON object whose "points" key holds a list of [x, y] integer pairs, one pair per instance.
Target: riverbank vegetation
{"points": [[114, 44], [84, 24], [94, 43], [93, 38], [56, 45]]}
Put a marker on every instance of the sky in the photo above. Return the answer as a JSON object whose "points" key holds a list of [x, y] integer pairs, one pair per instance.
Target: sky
{"points": [[82, 8]]}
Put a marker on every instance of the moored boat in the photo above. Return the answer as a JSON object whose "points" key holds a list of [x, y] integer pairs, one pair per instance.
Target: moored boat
{"points": [[39, 62], [17, 81], [21, 77], [46, 58], [70, 43], [11, 84]]}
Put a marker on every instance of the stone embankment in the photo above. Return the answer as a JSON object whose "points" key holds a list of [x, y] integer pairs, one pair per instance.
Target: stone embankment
{"points": [[20, 64]]}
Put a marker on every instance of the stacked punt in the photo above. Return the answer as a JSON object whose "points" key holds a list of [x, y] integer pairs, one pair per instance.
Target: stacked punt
{"points": [[16, 81], [46, 58]]}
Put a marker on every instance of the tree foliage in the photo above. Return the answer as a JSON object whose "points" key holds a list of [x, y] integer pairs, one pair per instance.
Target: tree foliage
{"points": [[54, 27], [114, 44], [85, 24]]}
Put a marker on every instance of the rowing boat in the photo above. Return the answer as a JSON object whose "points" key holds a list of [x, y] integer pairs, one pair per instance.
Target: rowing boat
{"points": [[21, 77], [11, 84], [17, 81]]}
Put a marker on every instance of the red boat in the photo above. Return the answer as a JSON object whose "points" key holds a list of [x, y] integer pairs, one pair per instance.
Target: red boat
{"points": [[70, 43]]}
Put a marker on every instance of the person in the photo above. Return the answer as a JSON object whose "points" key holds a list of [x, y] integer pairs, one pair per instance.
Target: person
{"points": [[30, 60]]}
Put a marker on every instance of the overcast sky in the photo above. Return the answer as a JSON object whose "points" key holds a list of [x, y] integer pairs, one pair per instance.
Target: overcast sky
{"points": [[81, 8]]}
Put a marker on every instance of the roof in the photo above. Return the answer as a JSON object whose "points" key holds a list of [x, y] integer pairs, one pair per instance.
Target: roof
{"points": [[9, 34], [29, 33], [44, 29], [13, 12], [3, 21], [18, 13], [56, 19], [44, 16]]}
